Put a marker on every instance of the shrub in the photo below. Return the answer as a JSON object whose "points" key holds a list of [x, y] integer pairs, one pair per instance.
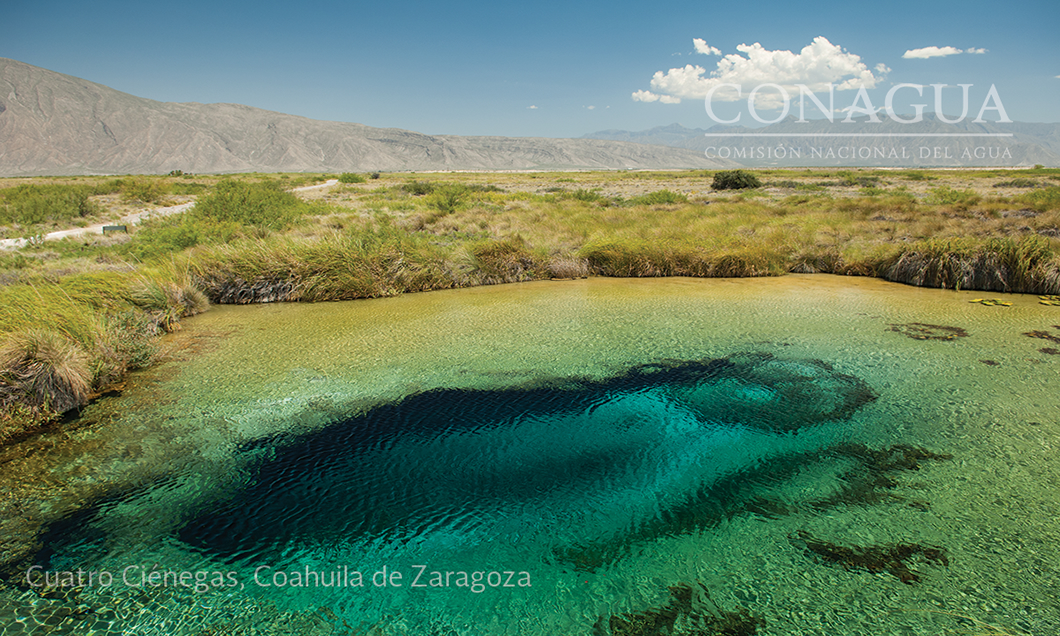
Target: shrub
{"points": [[945, 195], [32, 204], [1018, 183], [143, 190], [374, 175], [264, 204], [659, 197], [735, 180], [418, 188], [351, 177], [1043, 199], [448, 198], [587, 196]]}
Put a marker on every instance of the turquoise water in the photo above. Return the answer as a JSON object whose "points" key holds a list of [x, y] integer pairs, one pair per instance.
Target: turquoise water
{"points": [[806, 455]]}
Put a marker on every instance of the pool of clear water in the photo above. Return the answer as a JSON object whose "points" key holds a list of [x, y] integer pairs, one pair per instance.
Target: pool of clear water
{"points": [[804, 455]]}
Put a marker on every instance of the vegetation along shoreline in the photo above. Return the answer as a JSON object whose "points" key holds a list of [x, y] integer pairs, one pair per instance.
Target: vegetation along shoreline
{"points": [[77, 315]]}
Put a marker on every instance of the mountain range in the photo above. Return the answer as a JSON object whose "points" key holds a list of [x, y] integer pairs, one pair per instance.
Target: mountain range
{"points": [[55, 124]]}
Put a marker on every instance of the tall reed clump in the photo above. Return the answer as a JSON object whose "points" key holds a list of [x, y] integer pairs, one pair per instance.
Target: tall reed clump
{"points": [[1025, 265], [371, 263], [44, 371], [641, 258], [508, 260], [63, 341]]}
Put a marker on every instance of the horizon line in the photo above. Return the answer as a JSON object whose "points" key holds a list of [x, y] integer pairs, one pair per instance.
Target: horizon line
{"points": [[858, 135]]}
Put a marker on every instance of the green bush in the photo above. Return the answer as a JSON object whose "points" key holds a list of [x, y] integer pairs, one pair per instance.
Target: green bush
{"points": [[659, 197], [351, 177], [1043, 199], [418, 188], [587, 196], [32, 204], [1018, 183], [264, 204], [448, 198], [144, 190], [945, 195], [735, 180]]}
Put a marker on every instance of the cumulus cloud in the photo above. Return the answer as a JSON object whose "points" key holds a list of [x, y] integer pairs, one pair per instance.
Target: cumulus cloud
{"points": [[531, 107], [816, 66], [930, 51], [936, 51], [648, 96], [704, 48]]}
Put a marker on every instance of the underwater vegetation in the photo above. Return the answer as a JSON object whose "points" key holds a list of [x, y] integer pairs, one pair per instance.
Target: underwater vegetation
{"points": [[923, 331], [869, 479], [690, 612], [1044, 335], [892, 559]]}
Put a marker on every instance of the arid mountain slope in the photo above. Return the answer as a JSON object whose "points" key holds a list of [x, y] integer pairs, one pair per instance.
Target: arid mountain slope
{"points": [[54, 124]]}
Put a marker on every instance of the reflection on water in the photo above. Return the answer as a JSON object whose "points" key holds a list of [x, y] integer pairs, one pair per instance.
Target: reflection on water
{"points": [[593, 457]]}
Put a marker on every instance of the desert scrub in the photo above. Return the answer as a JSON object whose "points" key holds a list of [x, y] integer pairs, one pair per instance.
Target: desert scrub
{"points": [[1042, 200], [29, 205], [659, 197], [735, 180], [232, 210], [351, 177], [144, 190]]}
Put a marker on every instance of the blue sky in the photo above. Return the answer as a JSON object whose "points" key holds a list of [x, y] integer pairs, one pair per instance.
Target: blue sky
{"points": [[553, 69]]}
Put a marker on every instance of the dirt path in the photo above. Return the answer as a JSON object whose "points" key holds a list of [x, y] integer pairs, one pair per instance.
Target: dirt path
{"points": [[131, 219]]}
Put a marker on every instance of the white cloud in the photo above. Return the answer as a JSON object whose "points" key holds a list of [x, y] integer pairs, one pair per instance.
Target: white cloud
{"points": [[975, 51], [531, 107], [704, 48], [648, 96], [930, 51], [591, 107], [817, 65]]}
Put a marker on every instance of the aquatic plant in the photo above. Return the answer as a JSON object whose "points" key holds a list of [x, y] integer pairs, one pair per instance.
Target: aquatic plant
{"points": [[690, 611], [892, 558], [1044, 335], [979, 628], [924, 331]]}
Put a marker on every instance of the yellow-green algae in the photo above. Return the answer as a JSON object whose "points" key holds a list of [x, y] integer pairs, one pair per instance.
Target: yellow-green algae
{"points": [[248, 372]]}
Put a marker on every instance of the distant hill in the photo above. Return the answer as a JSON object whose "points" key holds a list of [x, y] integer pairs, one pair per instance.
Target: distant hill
{"points": [[1029, 144], [54, 124]]}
